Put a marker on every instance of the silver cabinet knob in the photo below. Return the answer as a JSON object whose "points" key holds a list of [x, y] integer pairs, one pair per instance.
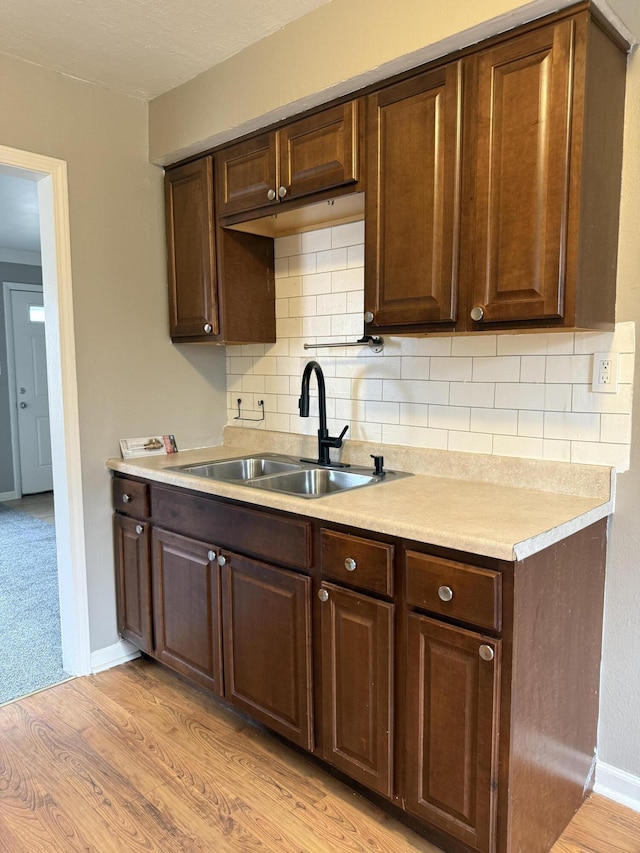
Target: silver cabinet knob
{"points": [[126, 499], [208, 328], [23, 405], [211, 555], [221, 560], [271, 194], [139, 529], [323, 595], [477, 313], [282, 191], [485, 652], [350, 564], [445, 593], [368, 316]]}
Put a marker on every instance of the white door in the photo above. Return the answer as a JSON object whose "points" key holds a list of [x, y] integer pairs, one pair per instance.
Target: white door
{"points": [[32, 396]]}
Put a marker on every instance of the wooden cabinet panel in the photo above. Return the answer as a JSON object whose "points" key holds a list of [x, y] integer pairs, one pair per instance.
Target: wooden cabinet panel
{"points": [[277, 538], [130, 497], [359, 562], [357, 686], [524, 94], [469, 593], [133, 581], [267, 646], [319, 152], [413, 200], [193, 303], [245, 174], [452, 722], [186, 599]]}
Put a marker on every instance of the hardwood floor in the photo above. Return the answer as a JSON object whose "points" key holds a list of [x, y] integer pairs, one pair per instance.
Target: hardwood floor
{"points": [[133, 759]]}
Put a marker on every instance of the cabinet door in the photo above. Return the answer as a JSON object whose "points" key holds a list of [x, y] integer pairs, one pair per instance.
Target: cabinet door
{"points": [[319, 152], [193, 304], [524, 90], [186, 606], [412, 204], [246, 174], [452, 729], [133, 581], [357, 686], [267, 646]]}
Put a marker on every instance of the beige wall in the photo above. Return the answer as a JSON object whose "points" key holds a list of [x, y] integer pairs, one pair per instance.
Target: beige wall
{"points": [[338, 48], [131, 380]]}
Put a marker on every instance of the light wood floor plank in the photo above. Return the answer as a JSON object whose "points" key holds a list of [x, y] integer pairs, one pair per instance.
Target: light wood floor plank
{"points": [[134, 759]]}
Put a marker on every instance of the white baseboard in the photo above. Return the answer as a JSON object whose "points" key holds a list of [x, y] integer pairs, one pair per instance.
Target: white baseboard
{"points": [[118, 653], [617, 785], [8, 496]]}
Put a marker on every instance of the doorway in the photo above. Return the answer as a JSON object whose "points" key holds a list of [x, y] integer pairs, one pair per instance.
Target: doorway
{"points": [[50, 175]]}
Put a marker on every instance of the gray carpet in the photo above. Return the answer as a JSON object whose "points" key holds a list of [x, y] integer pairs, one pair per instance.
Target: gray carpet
{"points": [[30, 648]]}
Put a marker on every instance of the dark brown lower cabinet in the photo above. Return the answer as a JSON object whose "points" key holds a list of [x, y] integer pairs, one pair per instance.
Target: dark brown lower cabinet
{"points": [[267, 645], [133, 581], [186, 607], [357, 686], [453, 680]]}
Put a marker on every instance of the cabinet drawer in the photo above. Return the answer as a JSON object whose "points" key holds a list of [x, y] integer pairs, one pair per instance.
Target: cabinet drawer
{"points": [[356, 561], [458, 590], [275, 538], [130, 497]]}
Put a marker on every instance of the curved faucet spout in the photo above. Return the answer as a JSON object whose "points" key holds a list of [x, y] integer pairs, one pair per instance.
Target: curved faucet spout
{"points": [[325, 441]]}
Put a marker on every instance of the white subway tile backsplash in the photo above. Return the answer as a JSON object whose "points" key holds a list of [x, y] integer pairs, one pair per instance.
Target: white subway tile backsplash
{"points": [[348, 234], [573, 426], [470, 442], [469, 346], [451, 369], [495, 421], [519, 395], [498, 369]]}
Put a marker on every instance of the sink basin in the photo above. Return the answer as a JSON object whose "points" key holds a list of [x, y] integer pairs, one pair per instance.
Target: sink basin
{"points": [[285, 474], [314, 482], [240, 469]]}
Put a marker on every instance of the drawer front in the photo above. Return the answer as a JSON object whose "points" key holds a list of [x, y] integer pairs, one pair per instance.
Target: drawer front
{"points": [[458, 590], [356, 561], [261, 534], [130, 497]]}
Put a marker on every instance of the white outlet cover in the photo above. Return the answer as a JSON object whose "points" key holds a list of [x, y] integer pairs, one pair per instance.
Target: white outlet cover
{"points": [[610, 387]]}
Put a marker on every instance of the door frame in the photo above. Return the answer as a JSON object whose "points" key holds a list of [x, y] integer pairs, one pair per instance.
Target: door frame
{"points": [[8, 287], [55, 244]]}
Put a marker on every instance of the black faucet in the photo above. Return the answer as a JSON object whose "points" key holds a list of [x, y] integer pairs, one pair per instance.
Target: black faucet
{"points": [[325, 441]]}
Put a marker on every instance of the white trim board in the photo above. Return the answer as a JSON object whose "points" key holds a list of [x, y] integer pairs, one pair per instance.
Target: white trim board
{"points": [[9, 496], [617, 785], [114, 655]]}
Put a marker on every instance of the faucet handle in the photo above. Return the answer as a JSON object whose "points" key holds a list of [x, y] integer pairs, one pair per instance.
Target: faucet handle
{"points": [[335, 441]]}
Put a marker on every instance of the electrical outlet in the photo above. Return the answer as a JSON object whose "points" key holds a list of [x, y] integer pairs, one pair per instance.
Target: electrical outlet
{"points": [[605, 373]]}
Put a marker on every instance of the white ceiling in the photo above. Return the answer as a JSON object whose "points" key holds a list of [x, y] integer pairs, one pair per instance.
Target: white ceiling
{"points": [[139, 47]]}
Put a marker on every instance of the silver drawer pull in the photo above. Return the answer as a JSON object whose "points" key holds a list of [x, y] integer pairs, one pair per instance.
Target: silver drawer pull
{"points": [[126, 499], [485, 652], [139, 529], [445, 593], [211, 555], [222, 560], [350, 564], [323, 595]]}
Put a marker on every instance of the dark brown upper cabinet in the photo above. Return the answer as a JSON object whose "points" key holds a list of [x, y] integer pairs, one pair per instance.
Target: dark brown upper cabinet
{"points": [[531, 240], [221, 283], [413, 200], [317, 154]]}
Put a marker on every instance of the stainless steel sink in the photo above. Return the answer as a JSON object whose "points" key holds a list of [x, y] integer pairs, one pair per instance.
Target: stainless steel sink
{"points": [[314, 482], [285, 474], [246, 468]]}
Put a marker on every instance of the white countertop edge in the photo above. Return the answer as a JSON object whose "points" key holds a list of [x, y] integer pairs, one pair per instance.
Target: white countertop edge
{"points": [[522, 550]]}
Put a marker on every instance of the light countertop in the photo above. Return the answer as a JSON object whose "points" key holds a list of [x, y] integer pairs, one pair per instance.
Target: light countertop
{"points": [[466, 504]]}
